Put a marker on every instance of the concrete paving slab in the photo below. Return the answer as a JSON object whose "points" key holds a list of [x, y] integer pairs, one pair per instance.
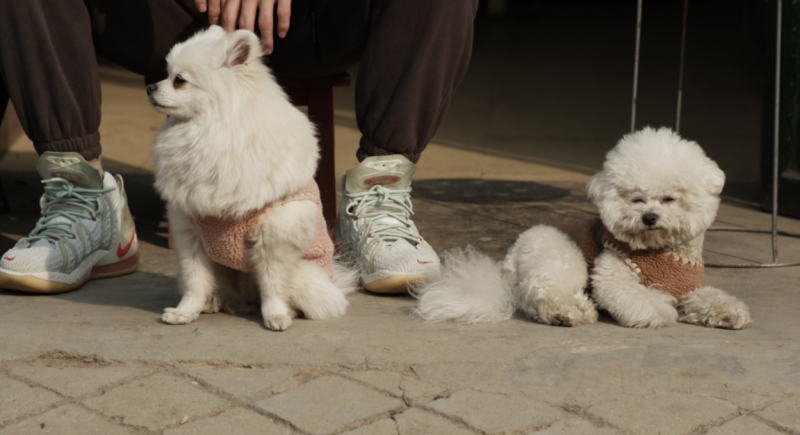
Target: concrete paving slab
{"points": [[386, 381], [418, 422], [156, 402], [328, 404], [574, 426], [665, 414], [744, 425], [67, 419], [496, 413], [233, 421], [785, 415], [77, 381], [242, 382], [416, 391], [17, 399], [409, 388], [386, 426]]}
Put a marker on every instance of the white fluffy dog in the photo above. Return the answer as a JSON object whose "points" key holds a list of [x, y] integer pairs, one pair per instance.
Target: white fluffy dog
{"points": [[235, 163], [641, 260]]}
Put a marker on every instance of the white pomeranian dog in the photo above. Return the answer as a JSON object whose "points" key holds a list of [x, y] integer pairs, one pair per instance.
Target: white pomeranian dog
{"points": [[641, 260], [235, 163]]}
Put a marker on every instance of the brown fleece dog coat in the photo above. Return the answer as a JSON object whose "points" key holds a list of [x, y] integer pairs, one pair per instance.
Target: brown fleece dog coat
{"points": [[225, 240], [662, 270]]}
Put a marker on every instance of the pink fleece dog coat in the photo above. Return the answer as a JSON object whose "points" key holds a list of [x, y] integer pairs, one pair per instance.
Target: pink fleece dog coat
{"points": [[662, 270], [225, 240]]}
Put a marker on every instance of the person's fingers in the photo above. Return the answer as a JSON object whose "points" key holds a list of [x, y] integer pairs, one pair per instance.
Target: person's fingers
{"points": [[214, 10], [247, 14], [284, 13], [265, 24], [201, 5], [230, 14]]}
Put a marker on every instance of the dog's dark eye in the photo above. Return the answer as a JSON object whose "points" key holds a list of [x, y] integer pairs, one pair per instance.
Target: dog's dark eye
{"points": [[178, 82], [638, 200], [668, 199]]}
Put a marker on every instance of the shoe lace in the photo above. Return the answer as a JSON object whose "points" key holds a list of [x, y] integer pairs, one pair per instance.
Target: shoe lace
{"points": [[388, 211], [63, 205]]}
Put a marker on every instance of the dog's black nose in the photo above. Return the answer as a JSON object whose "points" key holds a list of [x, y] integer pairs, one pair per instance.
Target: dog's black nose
{"points": [[150, 88], [649, 219]]}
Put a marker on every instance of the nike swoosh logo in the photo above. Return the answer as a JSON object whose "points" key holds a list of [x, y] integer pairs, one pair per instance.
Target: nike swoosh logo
{"points": [[9, 258], [424, 262], [120, 251]]}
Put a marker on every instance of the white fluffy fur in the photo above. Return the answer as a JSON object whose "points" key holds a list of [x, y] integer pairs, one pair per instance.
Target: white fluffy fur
{"points": [[233, 143], [469, 290], [547, 274], [650, 171], [232, 124]]}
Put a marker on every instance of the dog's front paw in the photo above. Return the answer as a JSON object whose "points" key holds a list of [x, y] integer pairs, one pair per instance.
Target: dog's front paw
{"points": [[278, 322], [711, 307], [576, 312], [173, 316], [734, 319]]}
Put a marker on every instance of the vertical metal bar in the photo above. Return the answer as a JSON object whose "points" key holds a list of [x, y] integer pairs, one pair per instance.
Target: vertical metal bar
{"points": [[636, 64], [776, 135], [680, 74]]}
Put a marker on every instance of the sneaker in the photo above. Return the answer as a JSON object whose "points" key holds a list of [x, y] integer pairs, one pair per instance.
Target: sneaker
{"points": [[375, 228], [85, 232]]}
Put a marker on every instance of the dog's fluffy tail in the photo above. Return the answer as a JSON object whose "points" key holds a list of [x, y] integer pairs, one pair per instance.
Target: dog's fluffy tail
{"points": [[468, 289], [345, 275]]}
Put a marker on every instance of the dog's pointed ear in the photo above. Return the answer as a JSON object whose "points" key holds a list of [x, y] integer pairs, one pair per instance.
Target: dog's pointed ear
{"points": [[241, 46]]}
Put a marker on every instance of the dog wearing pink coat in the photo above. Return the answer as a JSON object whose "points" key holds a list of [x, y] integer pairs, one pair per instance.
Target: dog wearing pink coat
{"points": [[235, 163]]}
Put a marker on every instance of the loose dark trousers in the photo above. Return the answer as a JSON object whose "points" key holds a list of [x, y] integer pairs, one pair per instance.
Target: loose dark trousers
{"points": [[413, 54]]}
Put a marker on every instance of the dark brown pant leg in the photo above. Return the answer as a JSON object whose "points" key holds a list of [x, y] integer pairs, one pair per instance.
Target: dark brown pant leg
{"points": [[413, 54], [48, 63], [416, 54], [49, 70]]}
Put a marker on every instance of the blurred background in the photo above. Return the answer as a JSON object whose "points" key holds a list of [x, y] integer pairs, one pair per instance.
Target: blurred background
{"points": [[550, 84]]}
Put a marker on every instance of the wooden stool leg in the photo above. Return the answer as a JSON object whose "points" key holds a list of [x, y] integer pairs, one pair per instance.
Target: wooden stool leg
{"points": [[4, 208], [321, 113]]}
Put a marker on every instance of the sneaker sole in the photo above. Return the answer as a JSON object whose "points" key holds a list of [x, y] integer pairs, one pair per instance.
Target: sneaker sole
{"points": [[394, 284], [32, 284]]}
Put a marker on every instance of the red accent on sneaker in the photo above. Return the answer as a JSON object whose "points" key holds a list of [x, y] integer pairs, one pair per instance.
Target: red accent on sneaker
{"points": [[120, 251], [9, 258], [382, 179], [424, 262], [116, 267]]}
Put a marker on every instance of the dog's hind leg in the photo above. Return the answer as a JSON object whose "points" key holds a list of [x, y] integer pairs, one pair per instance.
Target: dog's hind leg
{"points": [[276, 255], [195, 271], [548, 275], [617, 288], [712, 307]]}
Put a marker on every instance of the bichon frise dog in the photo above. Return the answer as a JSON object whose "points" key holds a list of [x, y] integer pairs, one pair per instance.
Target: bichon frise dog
{"points": [[235, 163], [641, 260]]}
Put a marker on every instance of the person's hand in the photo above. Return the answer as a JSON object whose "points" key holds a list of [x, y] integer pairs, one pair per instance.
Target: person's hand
{"points": [[230, 13]]}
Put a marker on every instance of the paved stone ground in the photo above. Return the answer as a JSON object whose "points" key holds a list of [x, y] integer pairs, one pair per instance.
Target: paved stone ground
{"points": [[99, 360]]}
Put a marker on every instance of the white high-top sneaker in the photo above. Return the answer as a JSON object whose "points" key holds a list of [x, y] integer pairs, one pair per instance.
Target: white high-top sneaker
{"points": [[85, 232], [375, 227]]}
